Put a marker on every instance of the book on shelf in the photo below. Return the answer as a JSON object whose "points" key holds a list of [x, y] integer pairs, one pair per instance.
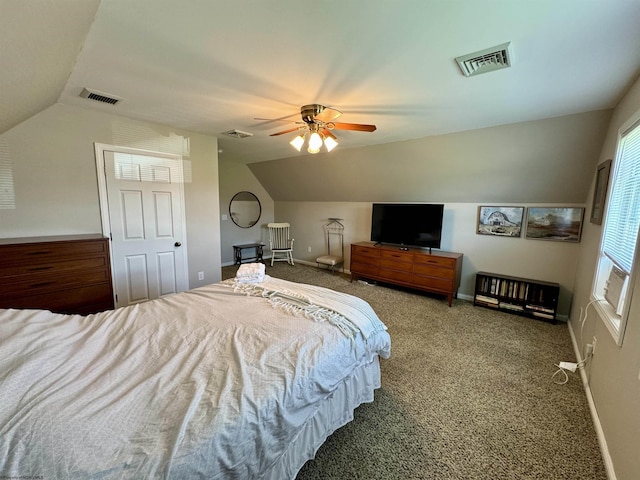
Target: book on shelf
{"points": [[511, 306], [485, 299], [539, 308]]}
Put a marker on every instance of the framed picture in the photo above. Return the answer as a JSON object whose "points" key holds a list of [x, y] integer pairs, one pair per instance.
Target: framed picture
{"points": [[554, 223], [500, 221], [600, 193]]}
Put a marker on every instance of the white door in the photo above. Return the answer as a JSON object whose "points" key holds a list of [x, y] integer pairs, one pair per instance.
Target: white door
{"points": [[146, 218]]}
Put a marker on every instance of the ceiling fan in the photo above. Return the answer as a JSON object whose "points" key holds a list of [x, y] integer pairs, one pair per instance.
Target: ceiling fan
{"points": [[318, 122]]}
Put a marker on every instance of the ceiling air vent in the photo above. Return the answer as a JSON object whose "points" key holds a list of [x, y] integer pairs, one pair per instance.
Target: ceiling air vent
{"points": [[99, 96], [488, 60], [237, 134]]}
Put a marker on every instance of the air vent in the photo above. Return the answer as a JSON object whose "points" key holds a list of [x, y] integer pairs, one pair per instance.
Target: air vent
{"points": [[99, 96], [237, 134], [488, 60]]}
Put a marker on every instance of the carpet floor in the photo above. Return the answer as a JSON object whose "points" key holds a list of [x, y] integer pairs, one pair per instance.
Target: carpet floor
{"points": [[466, 394]]}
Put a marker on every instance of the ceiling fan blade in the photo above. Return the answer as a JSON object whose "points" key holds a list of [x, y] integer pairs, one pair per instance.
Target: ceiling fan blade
{"points": [[271, 119], [360, 127], [289, 130], [328, 114], [327, 132]]}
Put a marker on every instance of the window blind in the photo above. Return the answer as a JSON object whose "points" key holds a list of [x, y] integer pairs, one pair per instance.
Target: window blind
{"points": [[623, 212]]}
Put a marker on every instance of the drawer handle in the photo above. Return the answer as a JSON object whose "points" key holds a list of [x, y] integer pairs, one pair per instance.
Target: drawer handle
{"points": [[47, 252], [39, 268], [42, 284]]}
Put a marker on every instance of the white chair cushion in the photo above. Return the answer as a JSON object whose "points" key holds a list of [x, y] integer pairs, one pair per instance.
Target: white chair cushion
{"points": [[332, 260]]}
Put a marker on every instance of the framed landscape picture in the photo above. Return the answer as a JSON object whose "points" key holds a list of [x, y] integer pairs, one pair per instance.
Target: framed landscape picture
{"points": [[554, 223], [500, 221]]}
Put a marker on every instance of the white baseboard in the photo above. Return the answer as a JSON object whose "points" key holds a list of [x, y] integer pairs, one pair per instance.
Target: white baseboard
{"points": [[602, 441]]}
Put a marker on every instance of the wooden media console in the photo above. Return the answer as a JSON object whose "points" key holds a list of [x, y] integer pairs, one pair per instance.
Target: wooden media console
{"points": [[435, 272]]}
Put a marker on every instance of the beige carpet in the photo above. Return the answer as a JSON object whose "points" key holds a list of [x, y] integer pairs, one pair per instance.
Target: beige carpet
{"points": [[466, 394]]}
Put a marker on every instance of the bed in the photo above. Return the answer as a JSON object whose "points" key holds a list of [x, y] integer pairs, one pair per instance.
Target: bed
{"points": [[227, 381]]}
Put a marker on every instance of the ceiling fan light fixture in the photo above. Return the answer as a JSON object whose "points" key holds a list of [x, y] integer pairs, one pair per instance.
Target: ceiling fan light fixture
{"points": [[315, 142], [330, 143], [297, 142]]}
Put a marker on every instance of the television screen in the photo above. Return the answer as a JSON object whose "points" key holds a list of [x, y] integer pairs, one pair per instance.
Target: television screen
{"points": [[408, 224]]}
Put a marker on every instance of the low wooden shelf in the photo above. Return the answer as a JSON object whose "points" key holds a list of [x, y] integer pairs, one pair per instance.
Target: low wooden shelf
{"points": [[435, 272], [521, 296]]}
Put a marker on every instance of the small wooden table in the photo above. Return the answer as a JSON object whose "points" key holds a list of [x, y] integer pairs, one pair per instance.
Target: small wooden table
{"points": [[237, 252]]}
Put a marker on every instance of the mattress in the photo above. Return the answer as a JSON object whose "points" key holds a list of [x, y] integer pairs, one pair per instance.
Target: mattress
{"points": [[226, 381]]}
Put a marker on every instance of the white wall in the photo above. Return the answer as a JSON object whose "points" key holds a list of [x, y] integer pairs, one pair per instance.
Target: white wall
{"points": [[54, 179], [234, 178], [614, 370], [536, 259], [543, 161]]}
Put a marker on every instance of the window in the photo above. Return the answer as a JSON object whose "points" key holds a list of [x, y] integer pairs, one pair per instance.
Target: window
{"points": [[615, 269]]}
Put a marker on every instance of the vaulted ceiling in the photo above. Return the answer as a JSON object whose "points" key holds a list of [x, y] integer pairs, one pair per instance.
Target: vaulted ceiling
{"points": [[214, 66]]}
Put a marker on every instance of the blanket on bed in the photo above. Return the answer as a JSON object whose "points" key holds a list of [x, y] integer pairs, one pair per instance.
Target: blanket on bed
{"points": [[208, 383], [350, 314]]}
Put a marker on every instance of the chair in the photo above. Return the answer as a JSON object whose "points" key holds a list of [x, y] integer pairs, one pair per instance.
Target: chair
{"points": [[335, 256], [280, 244]]}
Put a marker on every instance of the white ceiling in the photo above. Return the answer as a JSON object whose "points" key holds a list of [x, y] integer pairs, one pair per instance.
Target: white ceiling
{"points": [[211, 66]]}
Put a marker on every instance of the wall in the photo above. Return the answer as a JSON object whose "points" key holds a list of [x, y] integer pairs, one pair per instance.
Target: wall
{"points": [[236, 178], [544, 161], [536, 259], [613, 372], [52, 165]]}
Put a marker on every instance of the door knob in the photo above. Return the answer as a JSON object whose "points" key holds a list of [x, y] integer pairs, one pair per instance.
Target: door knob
{"points": [[177, 244]]}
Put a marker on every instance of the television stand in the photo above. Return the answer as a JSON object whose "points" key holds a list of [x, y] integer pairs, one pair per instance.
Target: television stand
{"points": [[435, 272]]}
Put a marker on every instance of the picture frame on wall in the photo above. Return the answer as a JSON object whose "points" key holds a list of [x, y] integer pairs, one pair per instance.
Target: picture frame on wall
{"points": [[563, 224], [600, 193], [500, 221]]}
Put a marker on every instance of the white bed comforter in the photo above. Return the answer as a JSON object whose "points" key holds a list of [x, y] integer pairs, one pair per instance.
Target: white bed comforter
{"points": [[211, 383]]}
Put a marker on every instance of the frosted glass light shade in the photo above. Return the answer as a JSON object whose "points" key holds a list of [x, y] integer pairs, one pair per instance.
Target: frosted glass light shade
{"points": [[315, 142], [297, 142], [330, 143]]}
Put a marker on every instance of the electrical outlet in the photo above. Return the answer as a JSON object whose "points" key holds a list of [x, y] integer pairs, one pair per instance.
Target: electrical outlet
{"points": [[309, 249], [200, 275]]}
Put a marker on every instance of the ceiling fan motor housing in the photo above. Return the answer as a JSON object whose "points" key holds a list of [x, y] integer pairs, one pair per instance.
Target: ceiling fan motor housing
{"points": [[308, 112]]}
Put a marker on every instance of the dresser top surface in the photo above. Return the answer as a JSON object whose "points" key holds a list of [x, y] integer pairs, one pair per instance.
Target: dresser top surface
{"points": [[423, 251], [51, 238]]}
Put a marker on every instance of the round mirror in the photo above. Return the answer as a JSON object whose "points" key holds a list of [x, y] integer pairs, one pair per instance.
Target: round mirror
{"points": [[245, 209]]}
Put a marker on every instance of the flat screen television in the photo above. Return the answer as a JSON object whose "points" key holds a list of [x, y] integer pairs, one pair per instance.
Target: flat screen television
{"points": [[407, 224]]}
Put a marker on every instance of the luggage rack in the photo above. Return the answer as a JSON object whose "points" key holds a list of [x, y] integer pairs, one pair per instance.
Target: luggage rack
{"points": [[334, 231]]}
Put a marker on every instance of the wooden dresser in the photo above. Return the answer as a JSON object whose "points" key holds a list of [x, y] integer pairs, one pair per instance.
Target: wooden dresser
{"points": [[437, 272], [64, 274]]}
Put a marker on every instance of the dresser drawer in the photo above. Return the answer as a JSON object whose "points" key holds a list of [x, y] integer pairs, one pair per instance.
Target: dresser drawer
{"points": [[53, 267], [433, 283], [82, 300], [434, 271], [398, 256], [44, 282], [396, 275], [364, 268], [434, 260], [365, 251], [50, 252]]}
